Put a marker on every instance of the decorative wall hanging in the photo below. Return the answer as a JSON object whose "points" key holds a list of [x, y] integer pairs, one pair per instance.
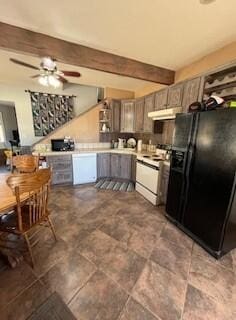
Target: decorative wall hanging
{"points": [[50, 111]]}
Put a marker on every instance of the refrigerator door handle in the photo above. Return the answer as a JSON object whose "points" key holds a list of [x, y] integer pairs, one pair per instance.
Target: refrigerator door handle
{"points": [[190, 160]]}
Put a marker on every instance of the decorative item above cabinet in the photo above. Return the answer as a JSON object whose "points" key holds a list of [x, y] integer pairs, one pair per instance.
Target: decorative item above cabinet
{"points": [[105, 118], [221, 82]]}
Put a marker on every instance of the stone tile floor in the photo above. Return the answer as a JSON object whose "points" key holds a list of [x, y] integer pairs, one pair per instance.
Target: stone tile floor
{"points": [[118, 258]]}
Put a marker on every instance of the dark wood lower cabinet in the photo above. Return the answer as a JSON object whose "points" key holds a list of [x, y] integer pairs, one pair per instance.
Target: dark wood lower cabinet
{"points": [[121, 166], [62, 169], [118, 166], [103, 165], [133, 168], [125, 166], [164, 182], [115, 165]]}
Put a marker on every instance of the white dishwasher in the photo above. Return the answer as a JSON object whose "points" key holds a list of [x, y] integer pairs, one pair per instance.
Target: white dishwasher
{"points": [[84, 167]]}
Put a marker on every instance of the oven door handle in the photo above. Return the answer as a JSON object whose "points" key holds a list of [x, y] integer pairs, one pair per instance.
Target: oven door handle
{"points": [[147, 165]]}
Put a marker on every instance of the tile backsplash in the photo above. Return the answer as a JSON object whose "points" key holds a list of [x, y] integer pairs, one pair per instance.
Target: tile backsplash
{"points": [[163, 133], [96, 145]]}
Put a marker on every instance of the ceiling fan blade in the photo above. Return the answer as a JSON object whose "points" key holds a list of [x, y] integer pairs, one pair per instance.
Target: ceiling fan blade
{"points": [[24, 64], [62, 79], [35, 76], [71, 73]]}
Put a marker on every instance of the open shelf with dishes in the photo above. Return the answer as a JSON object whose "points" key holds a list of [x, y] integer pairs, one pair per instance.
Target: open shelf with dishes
{"points": [[221, 83], [105, 118]]}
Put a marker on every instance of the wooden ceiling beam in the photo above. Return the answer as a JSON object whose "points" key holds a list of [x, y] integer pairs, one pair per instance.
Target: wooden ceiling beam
{"points": [[24, 41]]}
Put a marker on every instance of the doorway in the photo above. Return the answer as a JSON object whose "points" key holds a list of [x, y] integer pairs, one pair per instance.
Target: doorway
{"points": [[9, 136]]}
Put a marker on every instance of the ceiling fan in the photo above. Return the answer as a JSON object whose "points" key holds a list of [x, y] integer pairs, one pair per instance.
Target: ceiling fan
{"points": [[49, 74]]}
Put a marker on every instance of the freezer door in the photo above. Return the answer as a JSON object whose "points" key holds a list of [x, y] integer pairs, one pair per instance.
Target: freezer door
{"points": [[211, 177], [183, 131]]}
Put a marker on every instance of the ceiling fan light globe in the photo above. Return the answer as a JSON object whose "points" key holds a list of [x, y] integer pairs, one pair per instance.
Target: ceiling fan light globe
{"points": [[48, 64], [53, 81], [43, 80]]}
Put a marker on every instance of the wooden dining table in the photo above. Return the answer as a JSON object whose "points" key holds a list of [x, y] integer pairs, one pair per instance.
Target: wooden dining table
{"points": [[7, 199], [7, 203]]}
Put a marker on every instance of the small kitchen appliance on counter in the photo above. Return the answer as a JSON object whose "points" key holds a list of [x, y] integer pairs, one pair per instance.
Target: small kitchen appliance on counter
{"points": [[139, 145], [121, 143], [62, 145], [131, 143]]}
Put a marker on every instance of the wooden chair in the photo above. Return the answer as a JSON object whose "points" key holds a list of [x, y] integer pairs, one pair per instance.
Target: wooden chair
{"points": [[25, 163], [33, 211]]}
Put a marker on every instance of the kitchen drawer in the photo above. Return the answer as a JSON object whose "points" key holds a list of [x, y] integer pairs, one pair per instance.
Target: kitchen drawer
{"points": [[61, 166], [60, 163], [59, 177], [61, 158]]}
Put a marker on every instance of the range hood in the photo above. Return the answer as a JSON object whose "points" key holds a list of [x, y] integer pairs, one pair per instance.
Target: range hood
{"points": [[165, 114]]}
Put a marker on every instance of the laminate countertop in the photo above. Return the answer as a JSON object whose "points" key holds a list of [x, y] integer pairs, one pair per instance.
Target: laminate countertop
{"points": [[94, 150]]}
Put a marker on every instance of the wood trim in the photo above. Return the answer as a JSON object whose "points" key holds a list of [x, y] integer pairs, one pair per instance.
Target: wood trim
{"points": [[33, 43]]}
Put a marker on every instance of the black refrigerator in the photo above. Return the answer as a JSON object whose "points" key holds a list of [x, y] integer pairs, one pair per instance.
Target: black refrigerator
{"points": [[201, 192]]}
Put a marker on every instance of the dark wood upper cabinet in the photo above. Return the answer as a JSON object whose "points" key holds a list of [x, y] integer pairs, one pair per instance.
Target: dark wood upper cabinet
{"points": [[161, 98], [191, 92], [148, 107], [127, 115], [115, 106], [139, 114], [175, 95]]}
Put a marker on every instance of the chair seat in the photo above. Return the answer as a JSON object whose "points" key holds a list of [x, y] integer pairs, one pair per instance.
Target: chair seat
{"points": [[9, 221]]}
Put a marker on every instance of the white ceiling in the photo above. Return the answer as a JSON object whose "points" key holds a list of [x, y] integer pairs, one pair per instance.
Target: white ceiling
{"points": [[167, 33]]}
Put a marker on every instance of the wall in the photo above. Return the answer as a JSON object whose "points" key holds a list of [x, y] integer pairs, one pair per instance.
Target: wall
{"points": [[9, 121], [86, 97], [118, 93], [212, 60], [84, 128], [163, 134], [148, 89], [222, 56]]}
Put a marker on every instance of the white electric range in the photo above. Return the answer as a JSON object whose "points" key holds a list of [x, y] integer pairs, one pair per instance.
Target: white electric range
{"points": [[148, 176]]}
